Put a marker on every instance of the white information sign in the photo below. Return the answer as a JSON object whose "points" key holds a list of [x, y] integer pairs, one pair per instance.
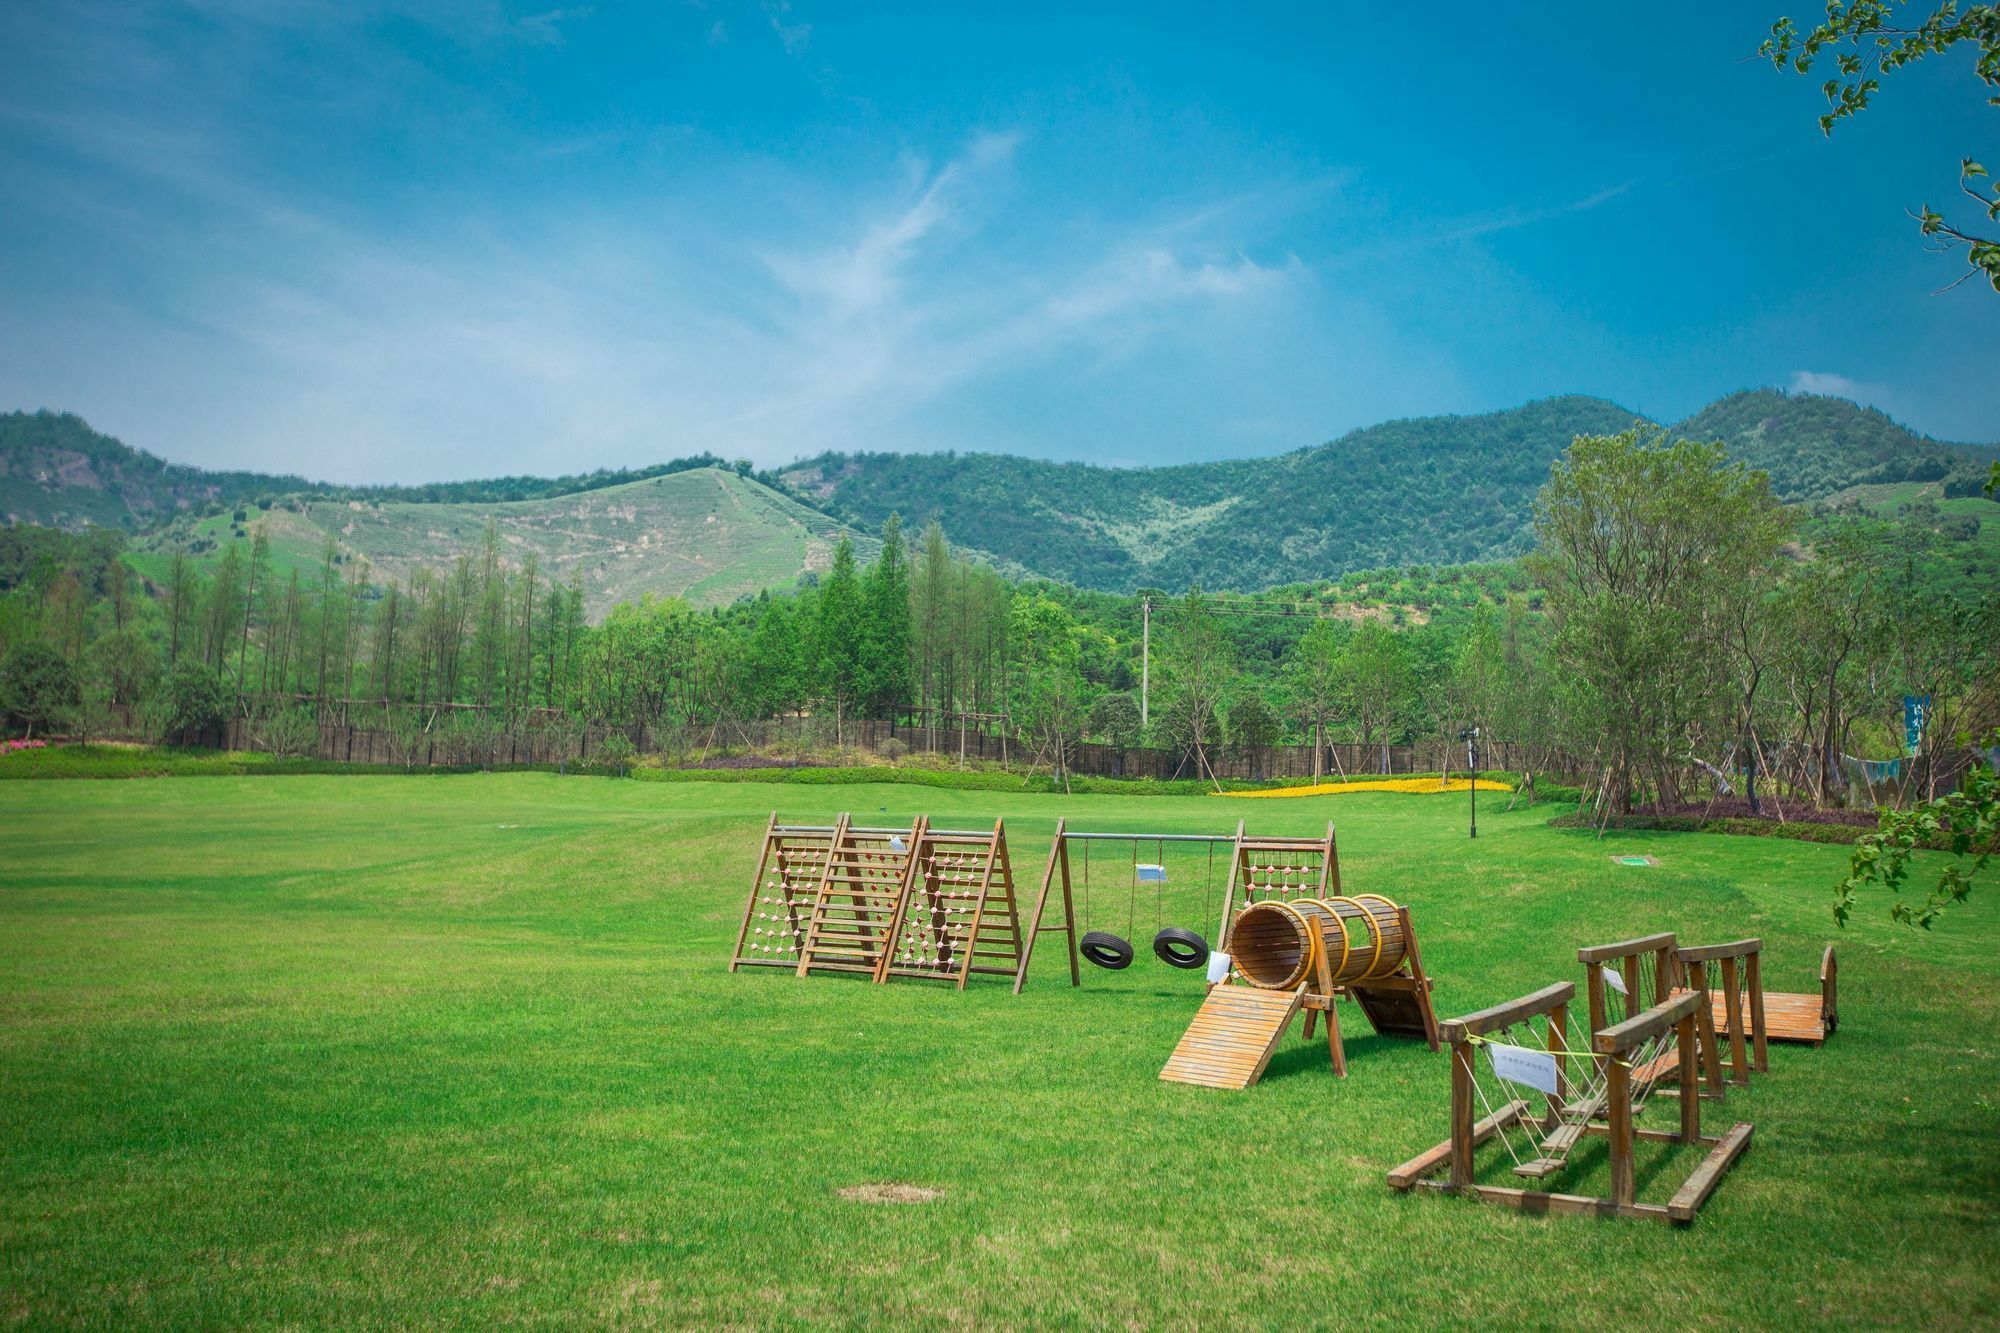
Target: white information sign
{"points": [[1615, 981], [1519, 1064]]}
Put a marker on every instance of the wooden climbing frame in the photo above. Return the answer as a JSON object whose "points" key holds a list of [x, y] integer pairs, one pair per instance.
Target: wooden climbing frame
{"points": [[1614, 1064], [885, 902], [867, 874], [957, 915], [782, 895]]}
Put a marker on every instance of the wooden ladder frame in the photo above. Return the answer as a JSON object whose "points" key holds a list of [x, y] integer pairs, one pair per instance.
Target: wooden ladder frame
{"points": [[779, 840], [868, 910], [977, 937]]}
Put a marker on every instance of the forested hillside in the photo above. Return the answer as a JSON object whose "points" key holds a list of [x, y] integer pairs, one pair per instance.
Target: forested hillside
{"points": [[55, 471], [1425, 491], [1814, 446], [1433, 490]]}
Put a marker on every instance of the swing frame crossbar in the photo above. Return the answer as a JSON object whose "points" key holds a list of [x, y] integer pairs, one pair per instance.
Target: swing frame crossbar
{"points": [[1613, 1047], [1056, 877]]}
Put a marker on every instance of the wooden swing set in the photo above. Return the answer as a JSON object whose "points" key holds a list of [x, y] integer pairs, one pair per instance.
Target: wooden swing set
{"points": [[1293, 943]]}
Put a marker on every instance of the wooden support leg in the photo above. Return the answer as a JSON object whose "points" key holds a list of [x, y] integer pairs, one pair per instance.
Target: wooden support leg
{"points": [[1690, 1100], [1739, 1061], [1754, 982], [1461, 1115], [1312, 1016], [1618, 1094], [1334, 1047], [1711, 1055]]}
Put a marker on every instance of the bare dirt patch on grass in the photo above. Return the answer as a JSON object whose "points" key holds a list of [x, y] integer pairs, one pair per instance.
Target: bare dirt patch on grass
{"points": [[890, 1193]]}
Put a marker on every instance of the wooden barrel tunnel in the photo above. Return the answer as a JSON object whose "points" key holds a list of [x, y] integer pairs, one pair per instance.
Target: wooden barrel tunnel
{"points": [[1279, 945]]}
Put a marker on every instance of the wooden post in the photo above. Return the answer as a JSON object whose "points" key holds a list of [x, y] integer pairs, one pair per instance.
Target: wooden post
{"points": [[1690, 1091], [1461, 1114], [1711, 1055], [1069, 916], [1593, 976], [1618, 1096], [756, 888], [1754, 983], [1739, 1063], [1229, 890], [999, 850], [1058, 859], [820, 892], [1333, 862], [1414, 960], [1556, 1039]]}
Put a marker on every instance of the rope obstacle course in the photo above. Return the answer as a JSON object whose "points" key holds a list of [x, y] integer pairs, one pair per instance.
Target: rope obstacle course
{"points": [[1590, 1083]]}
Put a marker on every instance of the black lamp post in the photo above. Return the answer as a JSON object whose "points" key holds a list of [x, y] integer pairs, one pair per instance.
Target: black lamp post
{"points": [[1470, 736]]}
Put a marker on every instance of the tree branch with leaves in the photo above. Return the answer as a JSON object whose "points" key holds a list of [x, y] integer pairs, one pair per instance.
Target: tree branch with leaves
{"points": [[1866, 40]]}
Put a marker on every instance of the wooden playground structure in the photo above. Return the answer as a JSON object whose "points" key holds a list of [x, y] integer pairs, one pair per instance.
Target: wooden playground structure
{"points": [[1644, 1030], [930, 903], [1293, 941]]}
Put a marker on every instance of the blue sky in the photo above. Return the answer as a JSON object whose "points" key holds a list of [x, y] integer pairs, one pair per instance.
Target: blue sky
{"points": [[367, 240]]}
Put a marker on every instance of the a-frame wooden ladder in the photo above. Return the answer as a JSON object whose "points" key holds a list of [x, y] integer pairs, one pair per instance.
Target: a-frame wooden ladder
{"points": [[781, 896], [860, 894], [958, 915]]}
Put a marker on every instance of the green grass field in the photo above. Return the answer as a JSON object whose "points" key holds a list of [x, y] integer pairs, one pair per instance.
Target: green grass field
{"points": [[415, 1050]]}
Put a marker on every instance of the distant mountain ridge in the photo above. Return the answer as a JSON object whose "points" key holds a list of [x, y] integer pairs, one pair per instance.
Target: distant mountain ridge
{"points": [[1430, 490]]}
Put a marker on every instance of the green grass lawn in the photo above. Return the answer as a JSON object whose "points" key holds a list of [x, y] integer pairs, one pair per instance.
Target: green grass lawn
{"points": [[412, 1050]]}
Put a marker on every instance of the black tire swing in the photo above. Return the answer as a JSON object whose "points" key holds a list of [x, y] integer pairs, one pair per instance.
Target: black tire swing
{"points": [[1106, 950], [1180, 948], [1175, 946], [1101, 948]]}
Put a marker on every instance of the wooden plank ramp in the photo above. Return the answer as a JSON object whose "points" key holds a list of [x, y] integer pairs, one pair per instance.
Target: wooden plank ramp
{"points": [[1232, 1037]]}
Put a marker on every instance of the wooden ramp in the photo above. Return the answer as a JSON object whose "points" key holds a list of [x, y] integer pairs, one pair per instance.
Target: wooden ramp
{"points": [[1232, 1037]]}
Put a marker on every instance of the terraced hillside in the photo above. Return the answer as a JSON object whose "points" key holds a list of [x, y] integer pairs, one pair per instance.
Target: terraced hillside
{"points": [[709, 535]]}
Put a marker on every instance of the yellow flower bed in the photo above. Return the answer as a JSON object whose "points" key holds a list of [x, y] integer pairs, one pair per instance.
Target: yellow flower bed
{"points": [[1411, 786]]}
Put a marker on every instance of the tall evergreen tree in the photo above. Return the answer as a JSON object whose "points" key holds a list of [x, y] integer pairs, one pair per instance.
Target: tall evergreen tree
{"points": [[886, 629]]}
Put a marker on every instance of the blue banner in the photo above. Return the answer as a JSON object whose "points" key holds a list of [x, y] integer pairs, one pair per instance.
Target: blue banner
{"points": [[1916, 712]]}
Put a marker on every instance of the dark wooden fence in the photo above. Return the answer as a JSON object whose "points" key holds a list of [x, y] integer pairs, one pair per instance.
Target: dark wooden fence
{"points": [[447, 745]]}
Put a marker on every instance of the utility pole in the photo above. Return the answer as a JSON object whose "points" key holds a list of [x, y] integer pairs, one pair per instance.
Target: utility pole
{"points": [[1145, 655], [1471, 736]]}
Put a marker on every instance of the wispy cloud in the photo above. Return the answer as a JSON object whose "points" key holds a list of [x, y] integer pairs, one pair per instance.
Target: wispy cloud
{"points": [[1839, 386]]}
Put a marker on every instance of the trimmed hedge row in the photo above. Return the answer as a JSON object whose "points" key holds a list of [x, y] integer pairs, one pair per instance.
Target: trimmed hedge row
{"points": [[133, 761], [1843, 835]]}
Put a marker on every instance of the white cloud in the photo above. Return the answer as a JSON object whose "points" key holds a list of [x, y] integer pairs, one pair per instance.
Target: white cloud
{"points": [[1833, 386]]}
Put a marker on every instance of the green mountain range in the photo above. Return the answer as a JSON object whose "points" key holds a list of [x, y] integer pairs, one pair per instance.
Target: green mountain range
{"points": [[1433, 490], [1426, 491]]}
